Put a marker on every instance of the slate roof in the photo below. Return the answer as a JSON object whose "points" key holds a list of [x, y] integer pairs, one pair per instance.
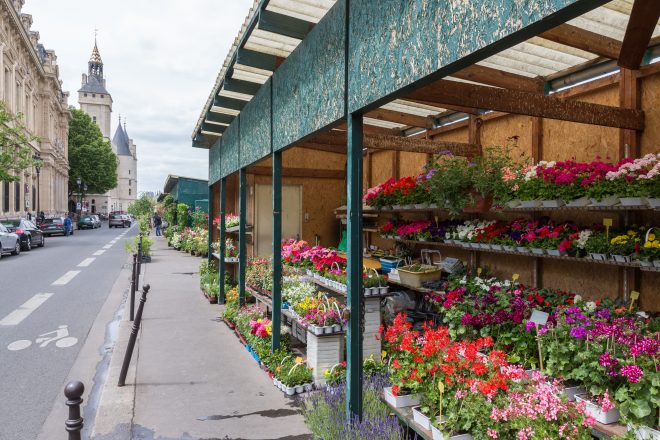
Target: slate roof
{"points": [[94, 84], [121, 142]]}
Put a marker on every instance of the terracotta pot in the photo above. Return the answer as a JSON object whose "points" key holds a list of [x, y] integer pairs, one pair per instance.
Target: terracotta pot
{"points": [[481, 203]]}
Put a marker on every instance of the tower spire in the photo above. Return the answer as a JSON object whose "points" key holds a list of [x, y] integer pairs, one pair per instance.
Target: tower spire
{"points": [[95, 62]]}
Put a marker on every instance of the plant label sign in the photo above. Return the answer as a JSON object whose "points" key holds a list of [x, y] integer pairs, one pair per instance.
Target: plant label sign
{"points": [[539, 318], [607, 222], [515, 277]]}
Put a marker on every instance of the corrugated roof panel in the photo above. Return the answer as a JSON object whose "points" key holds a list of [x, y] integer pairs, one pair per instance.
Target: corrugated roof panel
{"points": [[562, 48], [226, 111], [235, 95], [383, 124], [308, 10], [270, 43], [514, 66], [412, 108], [252, 74]]}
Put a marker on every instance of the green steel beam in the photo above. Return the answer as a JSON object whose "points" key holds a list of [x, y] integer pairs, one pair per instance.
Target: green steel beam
{"points": [[277, 248], [283, 24], [240, 86], [201, 141], [213, 128], [209, 256], [230, 103], [221, 266], [220, 118], [258, 60], [242, 245], [354, 268]]}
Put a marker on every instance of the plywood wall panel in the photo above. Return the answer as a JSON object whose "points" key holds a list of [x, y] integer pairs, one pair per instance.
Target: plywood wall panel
{"points": [[411, 164], [496, 133], [382, 167], [650, 291], [650, 141], [592, 281]]}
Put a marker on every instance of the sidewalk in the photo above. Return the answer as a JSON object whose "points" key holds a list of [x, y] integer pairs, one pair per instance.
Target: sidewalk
{"points": [[190, 378]]}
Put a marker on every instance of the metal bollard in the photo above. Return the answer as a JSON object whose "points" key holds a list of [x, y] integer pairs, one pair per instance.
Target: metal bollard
{"points": [[134, 283], [133, 337], [139, 252], [74, 424]]}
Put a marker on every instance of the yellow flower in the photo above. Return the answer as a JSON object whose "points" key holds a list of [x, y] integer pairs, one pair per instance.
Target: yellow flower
{"points": [[299, 360], [632, 233], [383, 354], [651, 237]]}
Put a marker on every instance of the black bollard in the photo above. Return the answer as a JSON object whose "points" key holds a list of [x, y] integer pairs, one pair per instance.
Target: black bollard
{"points": [[133, 337], [134, 283], [139, 258], [74, 424]]}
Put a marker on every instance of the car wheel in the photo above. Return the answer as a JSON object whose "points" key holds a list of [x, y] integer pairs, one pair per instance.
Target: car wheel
{"points": [[28, 244], [17, 248]]}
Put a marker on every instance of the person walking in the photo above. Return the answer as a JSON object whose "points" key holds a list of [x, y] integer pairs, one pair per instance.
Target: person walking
{"points": [[157, 223], [68, 224]]}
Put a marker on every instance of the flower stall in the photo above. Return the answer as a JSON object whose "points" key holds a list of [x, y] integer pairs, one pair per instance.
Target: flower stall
{"points": [[505, 188]]}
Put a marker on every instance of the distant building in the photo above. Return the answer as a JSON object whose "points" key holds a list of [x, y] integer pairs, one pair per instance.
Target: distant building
{"points": [[95, 100], [30, 84], [193, 192]]}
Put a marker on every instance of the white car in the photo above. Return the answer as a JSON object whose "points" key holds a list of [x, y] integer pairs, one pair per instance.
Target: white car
{"points": [[9, 242]]}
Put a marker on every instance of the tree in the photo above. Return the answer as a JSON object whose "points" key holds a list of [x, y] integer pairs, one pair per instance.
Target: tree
{"points": [[16, 155], [90, 156], [143, 206]]}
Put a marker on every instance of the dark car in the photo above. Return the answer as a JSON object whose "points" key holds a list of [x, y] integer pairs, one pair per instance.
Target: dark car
{"points": [[117, 220], [88, 222], [9, 242], [51, 226], [28, 233]]}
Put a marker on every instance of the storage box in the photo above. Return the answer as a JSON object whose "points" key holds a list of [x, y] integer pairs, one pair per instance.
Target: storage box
{"points": [[389, 263], [416, 279]]}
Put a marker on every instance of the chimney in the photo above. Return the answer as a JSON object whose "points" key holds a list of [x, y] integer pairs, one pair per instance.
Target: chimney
{"points": [[84, 79]]}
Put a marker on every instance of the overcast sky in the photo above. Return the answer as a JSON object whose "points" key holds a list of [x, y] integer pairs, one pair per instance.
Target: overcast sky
{"points": [[161, 58]]}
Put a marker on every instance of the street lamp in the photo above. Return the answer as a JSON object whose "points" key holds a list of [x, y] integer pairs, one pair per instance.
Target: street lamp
{"points": [[37, 157]]}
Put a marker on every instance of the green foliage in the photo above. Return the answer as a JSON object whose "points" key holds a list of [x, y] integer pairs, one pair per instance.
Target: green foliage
{"points": [[144, 205], [144, 223], [15, 150], [132, 247], [199, 219], [90, 156], [182, 214], [168, 207]]}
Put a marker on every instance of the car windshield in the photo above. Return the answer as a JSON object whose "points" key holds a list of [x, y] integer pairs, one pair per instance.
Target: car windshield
{"points": [[52, 220], [86, 218], [11, 223]]}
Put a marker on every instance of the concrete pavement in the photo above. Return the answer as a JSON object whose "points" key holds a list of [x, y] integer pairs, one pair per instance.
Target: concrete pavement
{"points": [[190, 378]]}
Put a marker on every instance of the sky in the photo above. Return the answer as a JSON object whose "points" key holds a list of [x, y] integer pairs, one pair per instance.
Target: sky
{"points": [[160, 60]]}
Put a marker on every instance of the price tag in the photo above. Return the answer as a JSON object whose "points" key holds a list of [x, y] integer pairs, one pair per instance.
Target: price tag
{"points": [[634, 296], [539, 318], [479, 270], [436, 221], [607, 222], [515, 277]]}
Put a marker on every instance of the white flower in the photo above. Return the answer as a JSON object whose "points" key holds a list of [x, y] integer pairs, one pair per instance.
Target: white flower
{"points": [[577, 298], [590, 306]]}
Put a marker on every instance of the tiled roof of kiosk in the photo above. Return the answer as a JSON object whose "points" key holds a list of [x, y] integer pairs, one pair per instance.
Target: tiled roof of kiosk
{"points": [[543, 57]]}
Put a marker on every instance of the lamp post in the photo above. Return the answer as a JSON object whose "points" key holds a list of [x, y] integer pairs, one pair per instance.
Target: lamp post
{"points": [[37, 157], [79, 181], [84, 194]]}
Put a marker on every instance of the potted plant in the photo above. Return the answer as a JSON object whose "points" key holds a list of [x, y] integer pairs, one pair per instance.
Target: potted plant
{"points": [[598, 246], [451, 185], [623, 246], [417, 274]]}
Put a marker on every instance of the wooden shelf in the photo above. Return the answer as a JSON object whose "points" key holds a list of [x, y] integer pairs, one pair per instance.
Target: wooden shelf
{"points": [[235, 230], [369, 211], [409, 287]]}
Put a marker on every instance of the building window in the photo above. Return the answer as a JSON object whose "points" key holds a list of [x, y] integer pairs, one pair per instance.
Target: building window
{"points": [[129, 181], [34, 197], [7, 91], [129, 172], [94, 119], [102, 96], [5, 197], [93, 95], [17, 196], [85, 95], [129, 191]]}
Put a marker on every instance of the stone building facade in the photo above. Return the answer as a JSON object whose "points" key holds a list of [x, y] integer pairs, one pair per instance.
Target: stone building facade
{"points": [[95, 100], [30, 84]]}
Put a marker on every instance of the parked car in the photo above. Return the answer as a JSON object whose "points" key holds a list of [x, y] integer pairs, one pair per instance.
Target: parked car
{"points": [[28, 233], [89, 222], [51, 226], [117, 220], [97, 219], [9, 242]]}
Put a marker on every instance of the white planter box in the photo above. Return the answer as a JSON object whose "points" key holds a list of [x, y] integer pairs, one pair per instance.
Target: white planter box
{"points": [[522, 249], [653, 202], [400, 401], [383, 290], [571, 392], [509, 248], [632, 201], [475, 246], [496, 247], [656, 263], [512, 204], [421, 206], [622, 258], [595, 411], [438, 435], [290, 391], [644, 432], [607, 201], [530, 203], [579, 203], [555, 252], [553, 203], [598, 257], [538, 251], [643, 263], [420, 418]]}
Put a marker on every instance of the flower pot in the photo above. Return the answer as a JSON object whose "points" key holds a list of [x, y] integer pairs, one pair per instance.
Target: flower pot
{"points": [[522, 249], [653, 202], [290, 391], [644, 263], [511, 204], [622, 258], [383, 290], [401, 400], [594, 410], [316, 329], [327, 329], [421, 206], [496, 247], [555, 252], [571, 392], [598, 257], [485, 246], [644, 432], [607, 201], [475, 246], [408, 207], [632, 201], [374, 290], [509, 248], [420, 418], [336, 328], [538, 251], [308, 387], [275, 381], [579, 203], [553, 203], [299, 389], [481, 204], [438, 435], [656, 263], [530, 203], [367, 291], [433, 206], [396, 207]]}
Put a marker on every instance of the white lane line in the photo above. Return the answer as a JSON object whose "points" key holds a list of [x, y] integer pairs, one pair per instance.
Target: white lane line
{"points": [[64, 279], [99, 252], [86, 262], [107, 246], [29, 306]]}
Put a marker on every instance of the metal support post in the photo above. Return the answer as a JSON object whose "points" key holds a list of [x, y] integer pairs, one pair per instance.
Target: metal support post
{"points": [[209, 253], [222, 267], [354, 268], [277, 249], [242, 245], [133, 286], [74, 424], [133, 337]]}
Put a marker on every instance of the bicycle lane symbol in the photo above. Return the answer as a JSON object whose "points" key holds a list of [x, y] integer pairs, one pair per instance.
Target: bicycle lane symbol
{"points": [[60, 337]]}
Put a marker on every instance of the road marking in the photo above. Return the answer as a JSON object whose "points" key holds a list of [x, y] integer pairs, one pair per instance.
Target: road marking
{"points": [[99, 252], [64, 279], [60, 337], [86, 262], [29, 306], [107, 246]]}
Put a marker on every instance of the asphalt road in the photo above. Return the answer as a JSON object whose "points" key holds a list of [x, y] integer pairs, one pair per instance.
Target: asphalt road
{"points": [[62, 284]]}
